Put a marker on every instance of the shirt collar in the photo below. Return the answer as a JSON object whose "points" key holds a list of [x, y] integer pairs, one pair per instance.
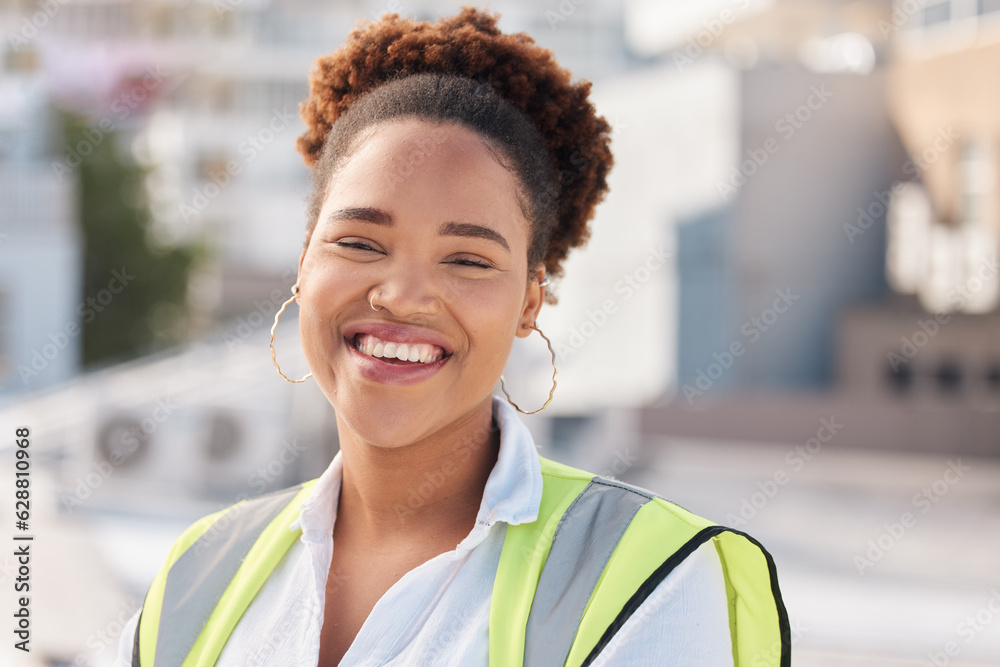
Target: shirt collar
{"points": [[512, 494]]}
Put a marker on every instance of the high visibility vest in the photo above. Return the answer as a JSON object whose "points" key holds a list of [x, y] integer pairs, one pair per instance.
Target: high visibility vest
{"points": [[565, 583]]}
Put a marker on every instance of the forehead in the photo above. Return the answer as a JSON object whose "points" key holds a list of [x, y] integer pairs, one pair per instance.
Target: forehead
{"points": [[425, 171], [418, 140]]}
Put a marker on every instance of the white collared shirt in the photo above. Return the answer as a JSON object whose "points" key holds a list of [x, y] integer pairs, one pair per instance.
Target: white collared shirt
{"points": [[438, 613]]}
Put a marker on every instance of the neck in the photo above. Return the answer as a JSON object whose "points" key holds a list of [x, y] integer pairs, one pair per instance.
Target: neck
{"points": [[429, 489]]}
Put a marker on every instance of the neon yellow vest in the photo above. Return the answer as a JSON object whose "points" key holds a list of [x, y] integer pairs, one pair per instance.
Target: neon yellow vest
{"points": [[564, 585]]}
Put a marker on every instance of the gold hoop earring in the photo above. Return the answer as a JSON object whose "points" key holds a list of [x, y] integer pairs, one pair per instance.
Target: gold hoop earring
{"points": [[371, 302], [274, 359], [555, 371]]}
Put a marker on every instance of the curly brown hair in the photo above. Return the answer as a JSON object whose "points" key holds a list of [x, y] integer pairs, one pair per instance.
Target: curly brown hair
{"points": [[563, 123]]}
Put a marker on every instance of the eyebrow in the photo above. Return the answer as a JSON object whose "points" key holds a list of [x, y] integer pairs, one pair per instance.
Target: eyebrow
{"points": [[379, 217], [472, 230], [364, 214]]}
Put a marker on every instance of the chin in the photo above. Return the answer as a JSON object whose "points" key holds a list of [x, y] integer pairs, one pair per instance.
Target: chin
{"points": [[381, 419], [390, 422]]}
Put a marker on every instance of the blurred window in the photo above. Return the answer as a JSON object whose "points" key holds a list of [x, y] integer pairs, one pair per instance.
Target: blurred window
{"points": [[936, 13], [988, 7], [976, 180], [908, 222], [977, 192]]}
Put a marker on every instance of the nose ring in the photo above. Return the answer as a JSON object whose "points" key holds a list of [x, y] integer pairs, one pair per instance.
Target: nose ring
{"points": [[371, 301]]}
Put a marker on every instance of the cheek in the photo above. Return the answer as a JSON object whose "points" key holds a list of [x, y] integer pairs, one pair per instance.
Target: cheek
{"points": [[325, 288], [489, 317], [327, 279]]}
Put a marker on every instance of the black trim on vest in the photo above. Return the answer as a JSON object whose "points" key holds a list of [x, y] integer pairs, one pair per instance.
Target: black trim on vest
{"points": [[135, 642], [675, 559], [784, 629]]}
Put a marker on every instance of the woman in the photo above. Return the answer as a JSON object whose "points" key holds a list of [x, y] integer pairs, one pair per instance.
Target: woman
{"points": [[454, 167]]}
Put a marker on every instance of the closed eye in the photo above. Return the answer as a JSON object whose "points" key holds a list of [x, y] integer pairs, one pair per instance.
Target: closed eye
{"points": [[469, 262], [360, 246]]}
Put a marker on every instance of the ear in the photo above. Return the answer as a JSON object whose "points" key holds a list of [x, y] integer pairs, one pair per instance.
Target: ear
{"points": [[534, 297]]}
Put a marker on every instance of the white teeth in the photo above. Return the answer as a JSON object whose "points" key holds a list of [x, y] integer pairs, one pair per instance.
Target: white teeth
{"points": [[412, 352]]}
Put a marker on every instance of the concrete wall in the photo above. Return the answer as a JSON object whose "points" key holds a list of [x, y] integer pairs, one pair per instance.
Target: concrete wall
{"points": [[833, 154]]}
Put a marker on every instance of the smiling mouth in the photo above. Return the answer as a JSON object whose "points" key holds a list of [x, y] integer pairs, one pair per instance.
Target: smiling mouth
{"points": [[397, 354]]}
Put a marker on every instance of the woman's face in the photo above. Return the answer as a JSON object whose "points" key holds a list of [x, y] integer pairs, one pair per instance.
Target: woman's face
{"points": [[425, 220]]}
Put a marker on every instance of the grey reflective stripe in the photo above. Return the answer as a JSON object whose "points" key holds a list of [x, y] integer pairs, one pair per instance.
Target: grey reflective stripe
{"points": [[197, 580], [586, 536]]}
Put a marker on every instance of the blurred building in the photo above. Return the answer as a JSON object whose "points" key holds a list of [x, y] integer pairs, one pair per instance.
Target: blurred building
{"points": [[40, 253], [765, 267], [855, 219], [936, 344]]}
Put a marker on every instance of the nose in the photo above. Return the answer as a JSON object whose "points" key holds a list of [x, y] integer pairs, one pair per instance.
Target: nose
{"points": [[406, 290]]}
